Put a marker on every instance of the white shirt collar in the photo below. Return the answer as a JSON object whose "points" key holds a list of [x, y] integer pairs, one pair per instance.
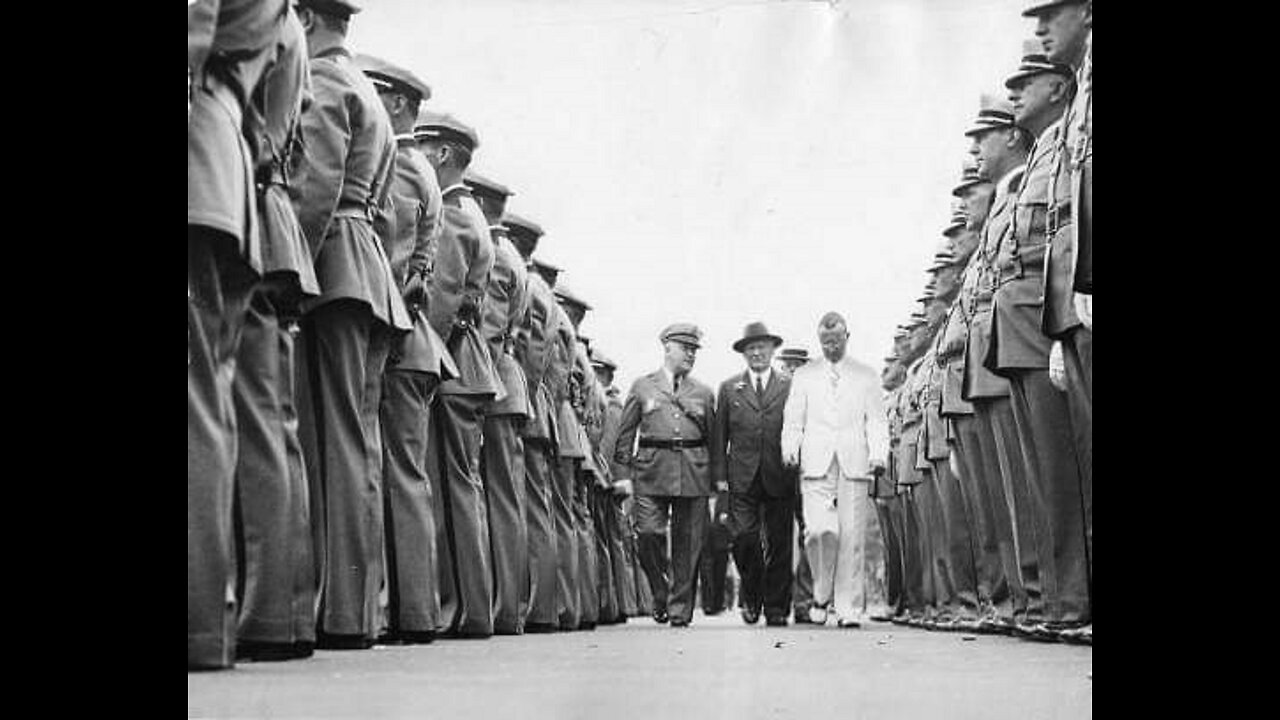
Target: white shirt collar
{"points": [[763, 376]]}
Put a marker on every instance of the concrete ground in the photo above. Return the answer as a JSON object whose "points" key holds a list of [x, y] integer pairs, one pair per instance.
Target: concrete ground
{"points": [[717, 668]]}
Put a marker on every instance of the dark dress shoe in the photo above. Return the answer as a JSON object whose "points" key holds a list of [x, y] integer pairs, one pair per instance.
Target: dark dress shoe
{"points": [[802, 617], [776, 621], [267, 651], [660, 616], [750, 616], [540, 628], [679, 622], [325, 641]]}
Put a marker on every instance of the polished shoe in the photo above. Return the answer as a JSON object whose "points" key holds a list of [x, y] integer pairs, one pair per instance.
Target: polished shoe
{"points": [[540, 628], [679, 622], [660, 616], [750, 616], [407, 637], [848, 623], [802, 617], [1038, 632], [251, 651], [325, 641], [881, 617], [776, 621], [1081, 635]]}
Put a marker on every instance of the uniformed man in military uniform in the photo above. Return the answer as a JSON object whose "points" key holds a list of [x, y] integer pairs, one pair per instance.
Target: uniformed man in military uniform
{"points": [[229, 48], [569, 454], [615, 502], [343, 181], [273, 524], [581, 466], [502, 464], [953, 548], [1019, 351], [671, 413], [538, 435], [1001, 149], [916, 580], [418, 362], [464, 260], [1066, 32]]}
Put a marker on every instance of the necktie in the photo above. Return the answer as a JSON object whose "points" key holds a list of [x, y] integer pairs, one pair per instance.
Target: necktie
{"points": [[675, 384], [759, 387]]}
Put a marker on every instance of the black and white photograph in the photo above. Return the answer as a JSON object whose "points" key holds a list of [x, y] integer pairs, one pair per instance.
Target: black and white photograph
{"points": [[577, 359]]}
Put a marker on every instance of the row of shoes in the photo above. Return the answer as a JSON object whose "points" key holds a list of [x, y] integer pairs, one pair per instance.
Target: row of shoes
{"points": [[991, 624]]}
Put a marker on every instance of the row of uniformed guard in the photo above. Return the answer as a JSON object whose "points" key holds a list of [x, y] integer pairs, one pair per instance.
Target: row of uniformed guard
{"points": [[988, 509], [391, 421]]}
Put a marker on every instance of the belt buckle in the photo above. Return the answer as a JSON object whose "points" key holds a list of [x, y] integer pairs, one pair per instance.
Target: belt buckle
{"points": [[1051, 221]]}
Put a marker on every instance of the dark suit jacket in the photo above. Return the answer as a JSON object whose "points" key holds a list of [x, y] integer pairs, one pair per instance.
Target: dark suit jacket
{"points": [[747, 435]]}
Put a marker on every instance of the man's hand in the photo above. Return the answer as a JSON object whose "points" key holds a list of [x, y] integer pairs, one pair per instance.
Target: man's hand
{"points": [[415, 290], [1057, 367], [1084, 309], [722, 486], [624, 487], [791, 459], [877, 466]]}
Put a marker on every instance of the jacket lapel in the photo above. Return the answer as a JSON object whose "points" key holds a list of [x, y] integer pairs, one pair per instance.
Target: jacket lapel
{"points": [[748, 391], [773, 389]]}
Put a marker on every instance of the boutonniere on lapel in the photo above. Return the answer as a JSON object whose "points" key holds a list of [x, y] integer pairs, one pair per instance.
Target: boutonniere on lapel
{"points": [[741, 384]]}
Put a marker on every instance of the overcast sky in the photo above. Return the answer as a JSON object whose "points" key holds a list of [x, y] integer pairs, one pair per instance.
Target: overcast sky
{"points": [[717, 162]]}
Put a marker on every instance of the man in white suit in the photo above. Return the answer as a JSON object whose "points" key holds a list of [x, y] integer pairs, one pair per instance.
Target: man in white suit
{"points": [[835, 429]]}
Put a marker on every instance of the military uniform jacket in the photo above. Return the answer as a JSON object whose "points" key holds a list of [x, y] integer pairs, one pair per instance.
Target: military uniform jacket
{"points": [[280, 99], [464, 257], [610, 424], [569, 435], [409, 229], [1017, 342], [935, 427], [1069, 153], [979, 382], [343, 180], [909, 440], [1080, 144], [654, 411], [747, 435], [505, 305], [950, 359], [228, 57], [532, 352]]}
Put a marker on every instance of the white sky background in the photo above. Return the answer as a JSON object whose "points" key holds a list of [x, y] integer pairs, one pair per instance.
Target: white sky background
{"points": [[717, 162]]}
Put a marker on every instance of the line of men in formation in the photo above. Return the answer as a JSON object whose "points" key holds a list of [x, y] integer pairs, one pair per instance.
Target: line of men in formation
{"points": [[392, 421], [987, 510]]}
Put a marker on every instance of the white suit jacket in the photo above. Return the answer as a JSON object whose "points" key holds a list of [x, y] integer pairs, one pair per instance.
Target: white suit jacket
{"points": [[844, 418]]}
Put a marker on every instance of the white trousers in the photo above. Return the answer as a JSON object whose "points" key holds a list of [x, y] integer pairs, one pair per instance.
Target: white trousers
{"points": [[836, 511]]}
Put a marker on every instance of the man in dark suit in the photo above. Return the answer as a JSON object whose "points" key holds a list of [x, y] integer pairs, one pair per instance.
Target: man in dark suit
{"points": [[746, 454], [673, 414]]}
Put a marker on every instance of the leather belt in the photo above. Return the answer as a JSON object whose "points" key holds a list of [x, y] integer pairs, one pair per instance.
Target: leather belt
{"points": [[675, 444], [1057, 217], [354, 210]]}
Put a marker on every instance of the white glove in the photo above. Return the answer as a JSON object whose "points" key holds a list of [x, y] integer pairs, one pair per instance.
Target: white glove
{"points": [[1084, 309], [624, 487], [1057, 367]]}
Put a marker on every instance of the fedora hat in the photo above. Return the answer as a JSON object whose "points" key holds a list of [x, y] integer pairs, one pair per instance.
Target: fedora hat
{"points": [[755, 331]]}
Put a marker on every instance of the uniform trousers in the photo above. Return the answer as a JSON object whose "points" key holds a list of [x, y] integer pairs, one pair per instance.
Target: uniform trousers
{"points": [[1078, 354], [621, 555], [344, 353], [1022, 564], [607, 582], [275, 571], [542, 611], [218, 291], [588, 560], [888, 511], [802, 587], [957, 542], [939, 593], [836, 507], [503, 468], [672, 576], [462, 520], [979, 481], [1055, 500], [410, 497], [568, 607], [714, 565]]}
